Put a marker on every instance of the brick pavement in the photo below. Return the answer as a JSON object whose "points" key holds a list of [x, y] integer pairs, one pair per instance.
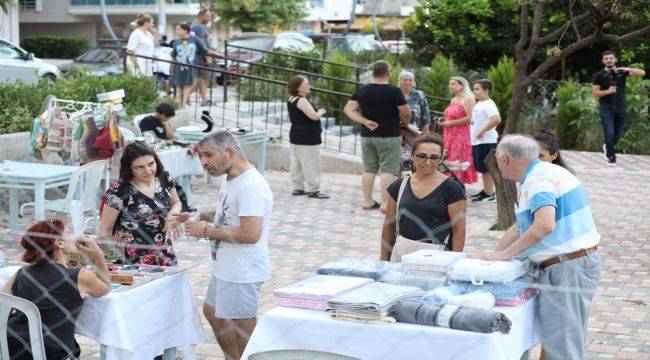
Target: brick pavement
{"points": [[307, 232]]}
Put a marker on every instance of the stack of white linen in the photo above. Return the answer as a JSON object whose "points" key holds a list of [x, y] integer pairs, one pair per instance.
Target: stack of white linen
{"points": [[479, 271], [371, 303], [315, 291], [431, 260]]}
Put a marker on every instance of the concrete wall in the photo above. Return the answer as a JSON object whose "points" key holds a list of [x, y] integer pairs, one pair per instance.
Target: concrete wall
{"points": [[9, 29], [88, 30]]}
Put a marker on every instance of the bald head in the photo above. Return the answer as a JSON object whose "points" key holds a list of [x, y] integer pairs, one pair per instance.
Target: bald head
{"points": [[514, 154], [518, 147]]}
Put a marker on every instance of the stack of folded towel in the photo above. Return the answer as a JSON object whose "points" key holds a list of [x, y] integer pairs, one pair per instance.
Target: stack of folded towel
{"points": [[451, 316], [457, 295], [510, 294], [423, 279], [479, 271], [314, 292], [371, 303], [372, 269], [431, 260]]}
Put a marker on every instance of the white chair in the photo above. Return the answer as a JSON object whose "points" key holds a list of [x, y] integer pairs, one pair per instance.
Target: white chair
{"points": [[8, 302], [298, 355], [136, 124], [90, 177]]}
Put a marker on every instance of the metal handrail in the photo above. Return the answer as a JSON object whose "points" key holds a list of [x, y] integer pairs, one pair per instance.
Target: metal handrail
{"points": [[245, 76], [356, 67], [326, 77]]}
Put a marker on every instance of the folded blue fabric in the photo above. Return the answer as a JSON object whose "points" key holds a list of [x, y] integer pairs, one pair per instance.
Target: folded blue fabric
{"points": [[372, 269], [442, 295], [501, 291]]}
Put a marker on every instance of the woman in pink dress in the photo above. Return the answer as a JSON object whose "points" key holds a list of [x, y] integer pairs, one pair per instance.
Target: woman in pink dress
{"points": [[457, 139]]}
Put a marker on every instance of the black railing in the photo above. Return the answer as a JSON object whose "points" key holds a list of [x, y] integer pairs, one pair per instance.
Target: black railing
{"points": [[258, 102]]}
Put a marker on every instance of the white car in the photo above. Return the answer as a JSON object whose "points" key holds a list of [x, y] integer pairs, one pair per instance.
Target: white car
{"points": [[17, 64]]}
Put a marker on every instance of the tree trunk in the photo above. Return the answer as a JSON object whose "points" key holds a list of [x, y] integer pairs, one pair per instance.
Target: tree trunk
{"points": [[514, 110], [506, 192]]}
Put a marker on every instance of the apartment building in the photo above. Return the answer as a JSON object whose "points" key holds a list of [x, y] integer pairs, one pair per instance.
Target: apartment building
{"points": [[83, 17]]}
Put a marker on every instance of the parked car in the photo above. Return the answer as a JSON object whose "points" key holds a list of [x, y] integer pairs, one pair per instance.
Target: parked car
{"points": [[286, 41], [17, 64], [104, 59], [348, 44]]}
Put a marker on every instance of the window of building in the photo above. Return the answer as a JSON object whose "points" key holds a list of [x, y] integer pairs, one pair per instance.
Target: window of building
{"points": [[27, 4]]}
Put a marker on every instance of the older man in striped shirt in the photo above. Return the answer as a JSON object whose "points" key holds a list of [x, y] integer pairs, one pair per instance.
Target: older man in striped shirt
{"points": [[556, 230]]}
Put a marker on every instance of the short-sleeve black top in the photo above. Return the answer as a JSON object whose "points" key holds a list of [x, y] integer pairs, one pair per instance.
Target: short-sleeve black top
{"points": [[427, 219], [379, 102], [605, 79], [304, 131]]}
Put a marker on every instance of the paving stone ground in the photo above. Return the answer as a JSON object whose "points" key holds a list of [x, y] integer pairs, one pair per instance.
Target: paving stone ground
{"points": [[306, 233]]}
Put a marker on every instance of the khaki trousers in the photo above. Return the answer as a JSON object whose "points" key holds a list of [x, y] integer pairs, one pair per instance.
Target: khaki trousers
{"points": [[305, 167]]}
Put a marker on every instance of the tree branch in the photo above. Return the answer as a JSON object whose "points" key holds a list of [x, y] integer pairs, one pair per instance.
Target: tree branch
{"points": [[627, 37], [537, 22], [559, 31], [523, 31], [552, 60]]}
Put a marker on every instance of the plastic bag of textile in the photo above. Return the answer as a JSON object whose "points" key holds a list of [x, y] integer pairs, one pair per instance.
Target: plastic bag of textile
{"points": [[451, 316], [372, 269], [501, 291], [442, 295], [478, 271], [422, 279]]}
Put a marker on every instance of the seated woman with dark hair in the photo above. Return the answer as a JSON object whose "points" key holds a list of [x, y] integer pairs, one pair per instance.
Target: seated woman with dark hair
{"points": [[138, 207], [426, 210], [549, 149], [57, 291]]}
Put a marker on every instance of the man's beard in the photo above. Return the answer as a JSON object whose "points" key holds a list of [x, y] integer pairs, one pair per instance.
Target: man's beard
{"points": [[220, 169]]}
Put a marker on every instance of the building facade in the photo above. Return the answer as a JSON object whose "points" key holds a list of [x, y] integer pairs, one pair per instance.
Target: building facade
{"points": [[84, 17]]}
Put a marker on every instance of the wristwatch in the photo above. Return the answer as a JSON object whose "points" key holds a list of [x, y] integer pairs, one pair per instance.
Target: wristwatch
{"points": [[205, 231]]}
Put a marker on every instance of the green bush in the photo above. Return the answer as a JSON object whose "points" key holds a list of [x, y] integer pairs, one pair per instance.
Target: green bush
{"points": [[636, 139], [435, 82], [55, 47], [23, 102], [567, 112], [503, 79]]}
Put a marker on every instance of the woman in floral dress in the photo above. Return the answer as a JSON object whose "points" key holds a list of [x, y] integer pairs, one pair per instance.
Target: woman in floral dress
{"points": [[138, 208], [456, 124]]}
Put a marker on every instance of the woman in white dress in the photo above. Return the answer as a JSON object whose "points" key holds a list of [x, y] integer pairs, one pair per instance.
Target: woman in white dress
{"points": [[141, 42]]}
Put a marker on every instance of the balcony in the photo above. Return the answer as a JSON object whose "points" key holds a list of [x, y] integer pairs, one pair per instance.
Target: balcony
{"points": [[133, 7]]}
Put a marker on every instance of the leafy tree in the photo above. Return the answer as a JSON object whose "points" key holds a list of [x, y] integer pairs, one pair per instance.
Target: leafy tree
{"points": [[260, 15], [475, 33], [5, 4], [503, 79], [596, 22]]}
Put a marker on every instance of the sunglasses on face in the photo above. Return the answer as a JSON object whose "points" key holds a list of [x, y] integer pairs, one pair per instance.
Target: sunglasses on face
{"points": [[425, 157]]}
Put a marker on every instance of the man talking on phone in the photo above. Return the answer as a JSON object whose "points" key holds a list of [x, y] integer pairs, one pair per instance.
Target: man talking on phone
{"points": [[609, 88]]}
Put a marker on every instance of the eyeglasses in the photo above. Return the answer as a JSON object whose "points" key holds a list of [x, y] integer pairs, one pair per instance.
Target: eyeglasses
{"points": [[424, 157]]}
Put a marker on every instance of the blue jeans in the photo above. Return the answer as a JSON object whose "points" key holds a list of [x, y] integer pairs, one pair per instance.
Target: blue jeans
{"points": [[613, 119]]}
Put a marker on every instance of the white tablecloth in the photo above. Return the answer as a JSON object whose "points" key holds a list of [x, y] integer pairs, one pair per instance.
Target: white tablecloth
{"points": [[178, 163], [286, 328], [142, 322]]}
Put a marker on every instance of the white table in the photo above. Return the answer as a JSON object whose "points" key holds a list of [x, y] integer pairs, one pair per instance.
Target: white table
{"points": [[285, 328], [39, 177], [193, 134], [142, 322], [181, 166]]}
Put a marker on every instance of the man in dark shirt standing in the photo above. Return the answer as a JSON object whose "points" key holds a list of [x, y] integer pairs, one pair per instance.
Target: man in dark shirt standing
{"points": [[609, 89], [378, 106], [159, 122], [200, 29]]}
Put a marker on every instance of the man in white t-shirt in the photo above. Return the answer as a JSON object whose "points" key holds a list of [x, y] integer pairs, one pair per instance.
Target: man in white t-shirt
{"points": [[485, 119], [238, 232]]}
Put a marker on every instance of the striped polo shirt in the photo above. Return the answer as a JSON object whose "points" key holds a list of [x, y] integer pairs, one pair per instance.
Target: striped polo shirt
{"points": [[546, 184]]}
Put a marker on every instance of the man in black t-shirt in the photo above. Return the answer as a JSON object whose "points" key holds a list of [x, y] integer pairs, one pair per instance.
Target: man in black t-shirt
{"points": [[609, 88], [159, 122], [378, 106]]}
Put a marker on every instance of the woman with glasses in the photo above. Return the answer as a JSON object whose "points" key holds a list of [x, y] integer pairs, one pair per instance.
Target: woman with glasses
{"points": [[425, 210]]}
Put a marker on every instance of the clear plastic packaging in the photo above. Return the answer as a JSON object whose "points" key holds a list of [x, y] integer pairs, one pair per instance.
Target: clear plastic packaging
{"points": [[479, 271]]}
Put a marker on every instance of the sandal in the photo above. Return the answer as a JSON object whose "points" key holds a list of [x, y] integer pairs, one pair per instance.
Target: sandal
{"points": [[298, 192], [375, 205], [317, 195]]}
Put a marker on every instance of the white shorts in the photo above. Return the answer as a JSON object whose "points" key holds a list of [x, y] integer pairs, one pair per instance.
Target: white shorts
{"points": [[233, 300]]}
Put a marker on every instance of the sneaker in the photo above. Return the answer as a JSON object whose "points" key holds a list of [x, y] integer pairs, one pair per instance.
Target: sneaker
{"points": [[484, 196], [477, 195], [206, 103], [611, 162]]}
